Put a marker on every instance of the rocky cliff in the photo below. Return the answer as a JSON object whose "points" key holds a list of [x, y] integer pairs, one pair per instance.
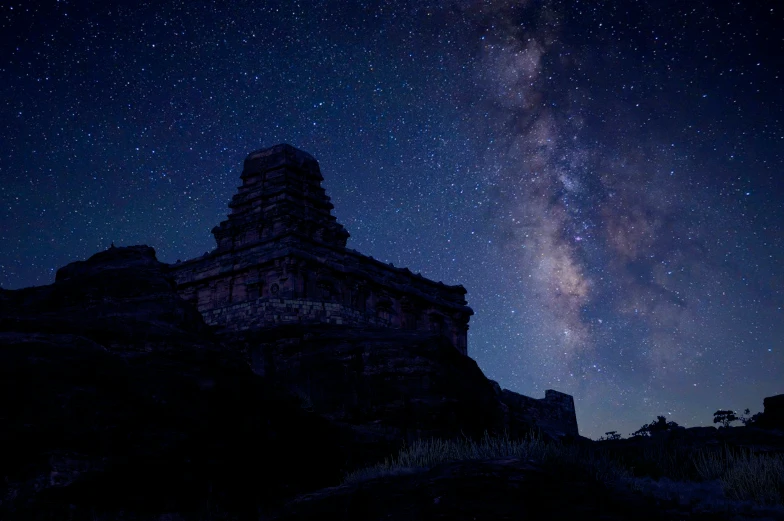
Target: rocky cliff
{"points": [[116, 397], [117, 401]]}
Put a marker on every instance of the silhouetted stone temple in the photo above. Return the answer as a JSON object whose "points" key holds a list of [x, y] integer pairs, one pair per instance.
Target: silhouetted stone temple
{"points": [[282, 258]]}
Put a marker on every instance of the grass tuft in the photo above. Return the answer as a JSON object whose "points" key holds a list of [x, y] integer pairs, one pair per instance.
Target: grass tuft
{"points": [[742, 474], [426, 453]]}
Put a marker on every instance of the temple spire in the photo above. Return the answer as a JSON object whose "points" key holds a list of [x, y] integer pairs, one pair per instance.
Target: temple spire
{"points": [[281, 195]]}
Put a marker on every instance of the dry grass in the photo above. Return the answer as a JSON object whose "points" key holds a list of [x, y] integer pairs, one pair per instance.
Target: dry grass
{"points": [[425, 454], [743, 475]]}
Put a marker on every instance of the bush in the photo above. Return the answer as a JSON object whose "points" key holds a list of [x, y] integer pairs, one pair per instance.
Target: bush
{"points": [[745, 475], [660, 425]]}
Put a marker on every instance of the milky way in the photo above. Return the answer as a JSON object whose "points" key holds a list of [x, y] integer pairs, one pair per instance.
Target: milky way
{"points": [[605, 178]]}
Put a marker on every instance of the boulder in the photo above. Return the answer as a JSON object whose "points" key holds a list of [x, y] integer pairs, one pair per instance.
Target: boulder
{"points": [[774, 411]]}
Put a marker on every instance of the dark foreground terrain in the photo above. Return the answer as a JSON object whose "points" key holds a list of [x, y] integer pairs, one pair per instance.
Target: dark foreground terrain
{"points": [[118, 402]]}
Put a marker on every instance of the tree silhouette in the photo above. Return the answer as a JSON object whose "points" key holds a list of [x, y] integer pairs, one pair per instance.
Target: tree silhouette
{"points": [[612, 435], [656, 427], [748, 419], [754, 421], [725, 417]]}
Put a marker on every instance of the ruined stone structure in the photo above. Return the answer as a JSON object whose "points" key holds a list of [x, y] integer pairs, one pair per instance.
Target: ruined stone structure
{"points": [[555, 413], [282, 258]]}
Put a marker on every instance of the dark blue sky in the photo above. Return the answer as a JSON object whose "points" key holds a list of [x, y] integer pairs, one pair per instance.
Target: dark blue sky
{"points": [[605, 178]]}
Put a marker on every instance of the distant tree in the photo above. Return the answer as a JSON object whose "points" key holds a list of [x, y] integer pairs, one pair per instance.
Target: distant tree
{"points": [[660, 425], [725, 417], [750, 421], [656, 427], [612, 435]]}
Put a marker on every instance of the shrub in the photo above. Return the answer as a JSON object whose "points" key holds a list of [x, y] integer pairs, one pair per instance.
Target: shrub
{"points": [[660, 425], [753, 421], [745, 475]]}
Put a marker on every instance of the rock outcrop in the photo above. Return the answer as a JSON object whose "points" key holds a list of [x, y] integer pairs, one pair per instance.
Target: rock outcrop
{"points": [[389, 385], [773, 417], [117, 401], [122, 298], [116, 397]]}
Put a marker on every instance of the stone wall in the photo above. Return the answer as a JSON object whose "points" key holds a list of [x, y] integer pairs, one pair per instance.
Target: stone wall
{"points": [[344, 288], [554, 414]]}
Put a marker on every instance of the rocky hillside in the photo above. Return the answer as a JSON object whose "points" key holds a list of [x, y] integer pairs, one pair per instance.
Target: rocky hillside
{"points": [[118, 402], [114, 397]]}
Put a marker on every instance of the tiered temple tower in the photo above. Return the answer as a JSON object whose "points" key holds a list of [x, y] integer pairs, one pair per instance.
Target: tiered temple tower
{"points": [[282, 258], [281, 195]]}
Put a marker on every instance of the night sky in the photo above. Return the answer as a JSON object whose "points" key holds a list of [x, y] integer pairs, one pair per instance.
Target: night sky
{"points": [[606, 178]]}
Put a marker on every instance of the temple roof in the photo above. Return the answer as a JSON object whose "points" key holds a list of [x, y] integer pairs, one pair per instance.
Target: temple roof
{"points": [[281, 196], [279, 156]]}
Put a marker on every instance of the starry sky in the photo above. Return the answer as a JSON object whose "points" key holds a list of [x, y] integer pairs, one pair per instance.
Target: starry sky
{"points": [[605, 178]]}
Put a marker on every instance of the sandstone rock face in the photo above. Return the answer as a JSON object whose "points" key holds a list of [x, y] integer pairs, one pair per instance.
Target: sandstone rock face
{"points": [[130, 388], [394, 385], [122, 297], [281, 259], [118, 401]]}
